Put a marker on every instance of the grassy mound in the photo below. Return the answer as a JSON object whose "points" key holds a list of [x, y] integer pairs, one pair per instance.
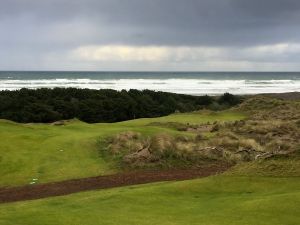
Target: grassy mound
{"points": [[39, 153], [260, 136], [132, 150], [280, 166], [261, 107]]}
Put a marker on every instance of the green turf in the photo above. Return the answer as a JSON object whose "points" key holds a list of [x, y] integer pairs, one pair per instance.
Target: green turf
{"points": [[255, 193], [220, 200], [192, 118], [53, 153]]}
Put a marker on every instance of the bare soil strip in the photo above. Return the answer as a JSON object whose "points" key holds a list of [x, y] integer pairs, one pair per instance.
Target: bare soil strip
{"points": [[38, 191]]}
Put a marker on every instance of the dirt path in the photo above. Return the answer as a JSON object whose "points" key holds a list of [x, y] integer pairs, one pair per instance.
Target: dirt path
{"points": [[102, 182]]}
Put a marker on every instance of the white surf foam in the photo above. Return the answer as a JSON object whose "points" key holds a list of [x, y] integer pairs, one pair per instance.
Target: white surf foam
{"points": [[183, 86]]}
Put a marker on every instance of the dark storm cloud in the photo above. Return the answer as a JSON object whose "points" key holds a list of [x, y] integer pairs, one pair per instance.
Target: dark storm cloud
{"points": [[42, 27], [166, 22]]}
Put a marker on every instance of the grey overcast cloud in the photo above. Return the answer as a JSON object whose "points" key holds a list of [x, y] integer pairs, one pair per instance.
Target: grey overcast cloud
{"points": [[177, 35]]}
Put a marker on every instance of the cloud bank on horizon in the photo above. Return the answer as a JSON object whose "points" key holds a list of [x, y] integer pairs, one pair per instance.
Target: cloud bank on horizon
{"points": [[202, 35]]}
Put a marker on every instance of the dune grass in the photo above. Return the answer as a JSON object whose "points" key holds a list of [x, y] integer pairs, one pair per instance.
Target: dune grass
{"points": [[281, 167], [219, 200], [53, 153]]}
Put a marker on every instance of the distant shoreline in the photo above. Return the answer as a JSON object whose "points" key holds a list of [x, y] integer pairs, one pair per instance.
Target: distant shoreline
{"points": [[190, 83]]}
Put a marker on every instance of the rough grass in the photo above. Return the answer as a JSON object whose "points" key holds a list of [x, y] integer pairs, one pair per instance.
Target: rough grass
{"points": [[288, 166], [261, 108], [220, 200], [131, 150], [52, 153]]}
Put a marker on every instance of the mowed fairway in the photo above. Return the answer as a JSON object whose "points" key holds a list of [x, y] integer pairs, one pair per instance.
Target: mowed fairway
{"points": [[43, 152], [219, 200]]}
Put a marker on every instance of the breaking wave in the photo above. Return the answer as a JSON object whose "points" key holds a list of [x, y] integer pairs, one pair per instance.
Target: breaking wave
{"points": [[174, 85]]}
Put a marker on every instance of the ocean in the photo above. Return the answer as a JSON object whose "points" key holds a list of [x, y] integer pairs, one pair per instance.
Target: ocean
{"points": [[194, 83]]}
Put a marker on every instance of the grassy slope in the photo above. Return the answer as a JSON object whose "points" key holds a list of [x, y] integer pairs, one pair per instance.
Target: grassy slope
{"points": [[33, 151], [239, 197], [220, 200]]}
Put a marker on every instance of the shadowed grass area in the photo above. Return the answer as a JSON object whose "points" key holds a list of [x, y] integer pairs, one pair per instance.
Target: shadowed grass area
{"points": [[52, 153], [219, 200]]}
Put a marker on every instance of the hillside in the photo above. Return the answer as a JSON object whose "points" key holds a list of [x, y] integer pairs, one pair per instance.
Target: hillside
{"points": [[258, 139], [52, 152]]}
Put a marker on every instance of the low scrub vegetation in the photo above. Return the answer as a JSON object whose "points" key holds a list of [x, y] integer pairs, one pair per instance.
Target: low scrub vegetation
{"points": [[133, 150], [259, 137], [49, 105]]}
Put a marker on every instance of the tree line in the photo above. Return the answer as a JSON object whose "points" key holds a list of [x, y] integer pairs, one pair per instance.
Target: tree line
{"points": [[48, 105]]}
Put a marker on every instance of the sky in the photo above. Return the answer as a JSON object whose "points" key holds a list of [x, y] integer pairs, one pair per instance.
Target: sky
{"points": [[150, 35]]}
